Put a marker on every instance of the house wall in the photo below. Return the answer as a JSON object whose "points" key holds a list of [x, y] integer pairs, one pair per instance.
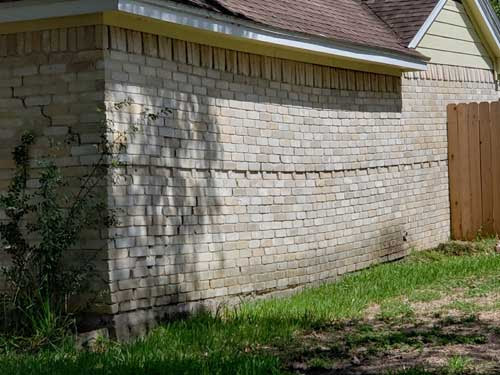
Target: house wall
{"points": [[453, 40], [52, 82], [270, 175], [264, 181]]}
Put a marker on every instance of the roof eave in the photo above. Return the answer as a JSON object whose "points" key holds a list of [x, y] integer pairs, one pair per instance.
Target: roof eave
{"points": [[210, 21]]}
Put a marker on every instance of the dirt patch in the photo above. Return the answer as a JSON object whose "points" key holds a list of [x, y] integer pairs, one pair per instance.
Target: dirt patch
{"points": [[454, 334]]}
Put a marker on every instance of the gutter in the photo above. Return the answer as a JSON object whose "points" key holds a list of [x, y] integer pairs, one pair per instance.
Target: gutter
{"points": [[493, 22], [209, 22], [490, 23]]}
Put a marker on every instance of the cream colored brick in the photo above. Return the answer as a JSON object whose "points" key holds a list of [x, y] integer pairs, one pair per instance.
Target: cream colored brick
{"points": [[251, 185]]}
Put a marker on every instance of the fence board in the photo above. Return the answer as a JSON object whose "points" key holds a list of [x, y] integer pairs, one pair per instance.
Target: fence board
{"points": [[454, 171], [464, 175], [486, 165], [495, 156], [474, 170]]}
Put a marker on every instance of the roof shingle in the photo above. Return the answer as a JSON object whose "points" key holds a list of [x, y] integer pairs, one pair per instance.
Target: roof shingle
{"points": [[385, 24], [349, 21], [405, 17]]}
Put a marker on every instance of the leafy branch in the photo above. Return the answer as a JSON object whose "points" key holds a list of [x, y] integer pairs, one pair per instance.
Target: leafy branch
{"points": [[43, 224]]}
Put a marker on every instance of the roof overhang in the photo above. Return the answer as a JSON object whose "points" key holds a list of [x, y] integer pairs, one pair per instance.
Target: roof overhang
{"points": [[214, 24]]}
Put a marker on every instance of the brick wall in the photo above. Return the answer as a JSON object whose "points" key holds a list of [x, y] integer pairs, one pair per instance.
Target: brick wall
{"points": [[262, 183], [52, 83], [425, 98], [269, 175]]}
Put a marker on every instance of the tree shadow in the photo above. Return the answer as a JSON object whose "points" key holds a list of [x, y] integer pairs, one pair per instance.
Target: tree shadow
{"points": [[237, 345], [169, 198], [203, 222], [389, 347]]}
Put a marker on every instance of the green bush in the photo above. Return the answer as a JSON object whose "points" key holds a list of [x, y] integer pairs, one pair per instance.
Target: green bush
{"points": [[44, 225], [496, 6]]}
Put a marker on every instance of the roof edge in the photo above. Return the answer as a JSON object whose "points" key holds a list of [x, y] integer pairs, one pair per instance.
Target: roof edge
{"points": [[212, 22], [491, 20], [232, 26], [427, 24]]}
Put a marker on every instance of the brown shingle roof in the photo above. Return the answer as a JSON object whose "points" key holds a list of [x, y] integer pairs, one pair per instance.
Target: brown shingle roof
{"points": [[386, 24], [405, 17], [349, 21]]}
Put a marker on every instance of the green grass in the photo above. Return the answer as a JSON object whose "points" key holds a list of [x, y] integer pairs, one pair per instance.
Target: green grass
{"points": [[464, 306], [254, 339], [394, 309], [457, 365], [424, 295], [480, 288]]}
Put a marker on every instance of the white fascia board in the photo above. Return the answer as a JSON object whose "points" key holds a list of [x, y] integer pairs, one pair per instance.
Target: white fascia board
{"points": [[427, 24], [488, 20], [207, 21]]}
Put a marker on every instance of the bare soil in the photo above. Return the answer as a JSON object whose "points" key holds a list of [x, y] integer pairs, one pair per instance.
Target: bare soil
{"points": [[428, 336]]}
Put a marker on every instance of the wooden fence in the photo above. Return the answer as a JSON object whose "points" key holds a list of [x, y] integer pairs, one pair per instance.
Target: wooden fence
{"points": [[474, 169]]}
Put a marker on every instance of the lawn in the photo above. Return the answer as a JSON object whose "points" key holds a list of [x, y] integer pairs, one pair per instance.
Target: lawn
{"points": [[436, 312]]}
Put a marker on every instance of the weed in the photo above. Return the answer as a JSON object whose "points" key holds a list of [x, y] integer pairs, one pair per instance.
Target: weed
{"points": [[394, 309], [320, 363], [461, 248], [424, 295], [458, 365], [450, 320], [411, 371], [483, 286], [463, 306]]}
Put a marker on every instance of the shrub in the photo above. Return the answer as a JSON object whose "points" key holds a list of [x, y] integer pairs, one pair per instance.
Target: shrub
{"points": [[45, 223], [496, 6]]}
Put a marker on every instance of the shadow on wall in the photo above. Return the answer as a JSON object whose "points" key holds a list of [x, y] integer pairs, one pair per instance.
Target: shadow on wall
{"points": [[170, 197], [189, 196], [195, 203], [392, 243], [60, 110]]}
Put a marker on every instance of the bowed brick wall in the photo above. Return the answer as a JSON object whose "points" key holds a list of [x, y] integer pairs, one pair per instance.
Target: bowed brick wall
{"points": [[270, 174], [264, 180]]}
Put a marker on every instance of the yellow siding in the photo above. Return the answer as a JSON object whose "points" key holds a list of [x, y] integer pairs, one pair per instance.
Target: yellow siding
{"points": [[453, 40]]}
